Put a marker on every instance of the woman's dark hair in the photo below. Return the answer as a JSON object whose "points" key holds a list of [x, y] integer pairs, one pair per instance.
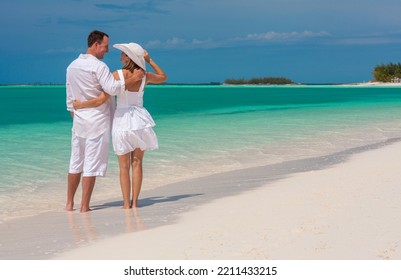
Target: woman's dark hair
{"points": [[131, 66], [96, 36]]}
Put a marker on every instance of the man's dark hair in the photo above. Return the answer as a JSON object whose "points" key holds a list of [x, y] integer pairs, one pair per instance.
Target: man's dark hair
{"points": [[96, 36]]}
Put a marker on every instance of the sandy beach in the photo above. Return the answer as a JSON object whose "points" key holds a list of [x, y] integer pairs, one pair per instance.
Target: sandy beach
{"points": [[346, 211], [343, 206], [374, 84]]}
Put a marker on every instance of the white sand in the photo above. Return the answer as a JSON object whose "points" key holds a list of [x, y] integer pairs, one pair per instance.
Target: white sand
{"points": [[348, 211], [379, 84]]}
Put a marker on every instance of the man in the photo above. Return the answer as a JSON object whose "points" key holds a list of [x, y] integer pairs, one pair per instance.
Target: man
{"points": [[87, 77]]}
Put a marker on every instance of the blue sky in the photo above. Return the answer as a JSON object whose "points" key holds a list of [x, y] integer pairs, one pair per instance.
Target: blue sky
{"points": [[201, 41]]}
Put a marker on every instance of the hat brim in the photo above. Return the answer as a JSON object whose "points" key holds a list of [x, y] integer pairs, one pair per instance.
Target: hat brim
{"points": [[138, 59]]}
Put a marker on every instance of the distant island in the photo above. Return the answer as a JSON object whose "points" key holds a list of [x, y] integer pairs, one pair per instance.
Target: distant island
{"points": [[260, 81], [387, 73]]}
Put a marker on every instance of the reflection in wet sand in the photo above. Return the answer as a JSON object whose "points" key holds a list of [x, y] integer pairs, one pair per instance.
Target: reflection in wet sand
{"points": [[81, 226], [133, 221], [85, 227]]}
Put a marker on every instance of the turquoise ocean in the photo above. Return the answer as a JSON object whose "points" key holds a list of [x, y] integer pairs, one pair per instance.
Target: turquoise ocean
{"points": [[201, 130]]}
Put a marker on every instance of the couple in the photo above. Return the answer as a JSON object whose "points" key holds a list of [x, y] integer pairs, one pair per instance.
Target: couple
{"points": [[89, 84]]}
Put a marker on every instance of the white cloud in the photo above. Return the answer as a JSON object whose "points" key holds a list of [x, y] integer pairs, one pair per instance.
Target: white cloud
{"points": [[283, 36], [249, 39], [258, 39], [175, 42]]}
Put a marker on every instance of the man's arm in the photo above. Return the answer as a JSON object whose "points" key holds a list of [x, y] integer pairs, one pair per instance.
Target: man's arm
{"points": [[95, 102], [132, 78], [113, 86]]}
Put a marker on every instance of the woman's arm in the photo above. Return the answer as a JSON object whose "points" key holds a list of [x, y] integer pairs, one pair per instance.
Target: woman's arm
{"points": [[95, 102], [154, 78]]}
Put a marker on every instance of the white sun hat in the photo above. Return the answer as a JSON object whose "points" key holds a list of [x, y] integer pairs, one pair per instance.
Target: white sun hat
{"points": [[133, 51]]}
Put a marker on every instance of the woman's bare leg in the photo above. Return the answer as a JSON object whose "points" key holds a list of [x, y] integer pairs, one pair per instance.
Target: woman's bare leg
{"points": [[136, 161], [125, 183], [88, 183]]}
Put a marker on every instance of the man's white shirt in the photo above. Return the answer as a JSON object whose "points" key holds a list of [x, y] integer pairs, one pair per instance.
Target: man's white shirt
{"points": [[87, 78]]}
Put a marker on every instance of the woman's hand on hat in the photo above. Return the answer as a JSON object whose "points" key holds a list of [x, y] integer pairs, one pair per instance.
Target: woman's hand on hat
{"points": [[146, 56]]}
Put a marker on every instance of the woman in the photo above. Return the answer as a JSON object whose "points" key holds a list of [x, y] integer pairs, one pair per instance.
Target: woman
{"points": [[132, 132]]}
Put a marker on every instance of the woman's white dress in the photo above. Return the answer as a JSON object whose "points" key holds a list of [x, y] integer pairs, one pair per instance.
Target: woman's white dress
{"points": [[132, 123]]}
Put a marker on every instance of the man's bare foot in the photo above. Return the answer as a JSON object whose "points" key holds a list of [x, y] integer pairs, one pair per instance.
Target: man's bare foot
{"points": [[69, 207]]}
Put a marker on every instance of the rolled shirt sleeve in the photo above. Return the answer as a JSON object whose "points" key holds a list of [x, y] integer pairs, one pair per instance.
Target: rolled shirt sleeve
{"points": [[69, 98]]}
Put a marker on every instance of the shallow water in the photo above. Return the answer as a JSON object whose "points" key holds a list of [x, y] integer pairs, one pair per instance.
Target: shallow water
{"points": [[201, 130]]}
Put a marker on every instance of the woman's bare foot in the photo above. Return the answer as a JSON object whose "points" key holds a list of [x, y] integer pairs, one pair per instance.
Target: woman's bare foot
{"points": [[84, 209]]}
